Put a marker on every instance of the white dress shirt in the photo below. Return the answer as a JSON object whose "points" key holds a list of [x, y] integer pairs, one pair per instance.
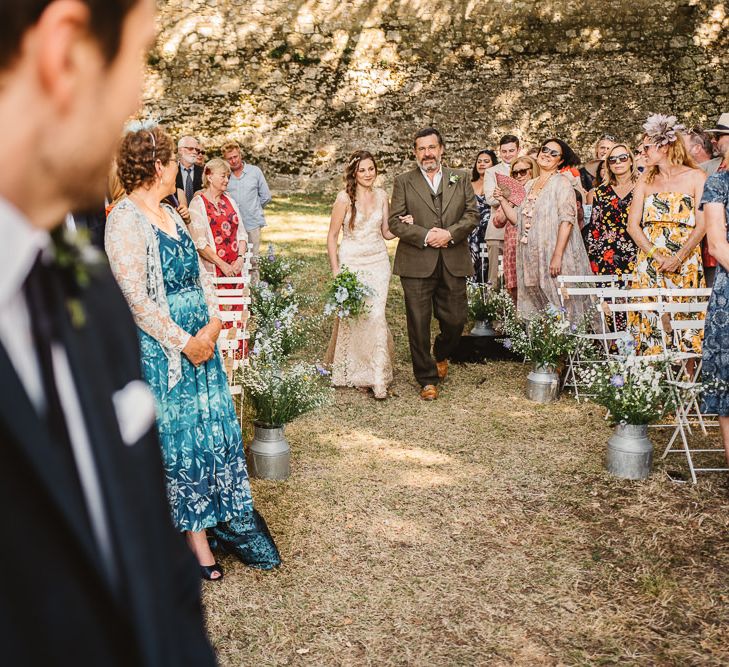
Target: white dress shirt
{"points": [[20, 247], [435, 183]]}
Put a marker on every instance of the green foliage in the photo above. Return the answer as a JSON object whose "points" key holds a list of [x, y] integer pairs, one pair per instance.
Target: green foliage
{"points": [[486, 303], [546, 338], [631, 388], [273, 269]]}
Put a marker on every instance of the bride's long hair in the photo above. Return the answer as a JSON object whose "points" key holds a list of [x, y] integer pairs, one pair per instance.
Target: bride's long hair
{"points": [[350, 179]]}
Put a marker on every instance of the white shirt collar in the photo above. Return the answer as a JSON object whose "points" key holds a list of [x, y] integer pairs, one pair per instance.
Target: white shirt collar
{"points": [[436, 179], [21, 244]]}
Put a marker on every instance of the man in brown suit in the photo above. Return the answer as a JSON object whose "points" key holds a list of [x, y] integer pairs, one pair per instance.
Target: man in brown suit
{"points": [[433, 211]]}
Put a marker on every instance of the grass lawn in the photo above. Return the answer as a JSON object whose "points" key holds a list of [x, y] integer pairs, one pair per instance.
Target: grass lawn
{"points": [[479, 529]]}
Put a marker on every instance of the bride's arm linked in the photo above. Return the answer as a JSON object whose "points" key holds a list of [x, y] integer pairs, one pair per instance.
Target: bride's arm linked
{"points": [[411, 233], [386, 233], [339, 210]]}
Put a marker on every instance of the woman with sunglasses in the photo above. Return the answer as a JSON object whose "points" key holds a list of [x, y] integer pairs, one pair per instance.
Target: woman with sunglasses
{"points": [[548, 243], [484, 160], [523, 170], [609, 246], [667, 227]]}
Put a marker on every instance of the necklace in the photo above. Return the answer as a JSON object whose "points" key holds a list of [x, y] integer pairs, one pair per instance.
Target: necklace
{"points": [[529, 206], [158, 214]]}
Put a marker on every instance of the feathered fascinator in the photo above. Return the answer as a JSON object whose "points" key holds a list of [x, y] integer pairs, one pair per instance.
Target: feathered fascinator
{"points": [[662, 129], [136, 125]]}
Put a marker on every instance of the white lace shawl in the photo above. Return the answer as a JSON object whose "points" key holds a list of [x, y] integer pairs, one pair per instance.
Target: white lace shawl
{"points": [[133, 250]]}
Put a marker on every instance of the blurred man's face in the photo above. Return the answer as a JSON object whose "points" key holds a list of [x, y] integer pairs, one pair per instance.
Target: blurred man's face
{"points": [[85, 131]]}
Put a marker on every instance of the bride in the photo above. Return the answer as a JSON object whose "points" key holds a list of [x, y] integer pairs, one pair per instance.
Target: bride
{"points": [[361, 349]]}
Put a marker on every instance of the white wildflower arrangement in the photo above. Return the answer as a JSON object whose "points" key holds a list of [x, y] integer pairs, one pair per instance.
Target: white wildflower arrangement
{"points": [[275, 269], [631, 388], [269, 304], [288, 327], [546, 338], [487, 303], [276, 393], [346, 295]]}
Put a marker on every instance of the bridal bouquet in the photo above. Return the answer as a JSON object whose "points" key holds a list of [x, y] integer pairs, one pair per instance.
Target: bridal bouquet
{"points": [[631, 389], [346, 295]]}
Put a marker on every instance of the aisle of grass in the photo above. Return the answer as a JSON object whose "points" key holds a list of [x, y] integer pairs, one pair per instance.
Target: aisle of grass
{"points": [[476, 530]]}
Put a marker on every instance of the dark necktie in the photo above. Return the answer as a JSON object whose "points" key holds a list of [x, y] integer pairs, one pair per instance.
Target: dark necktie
{"points": [[188, 184], [45, 326]]}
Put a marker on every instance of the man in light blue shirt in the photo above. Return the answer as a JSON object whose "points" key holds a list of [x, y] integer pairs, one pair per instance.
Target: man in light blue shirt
{"points": [[248, 187]]}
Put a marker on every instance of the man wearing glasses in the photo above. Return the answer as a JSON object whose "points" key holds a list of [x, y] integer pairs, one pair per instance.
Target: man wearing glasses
{"points": [[189, 174]]}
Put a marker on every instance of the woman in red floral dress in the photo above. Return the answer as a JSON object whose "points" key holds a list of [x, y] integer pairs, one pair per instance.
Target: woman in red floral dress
{"points": [[610, 248], [217, 229]]}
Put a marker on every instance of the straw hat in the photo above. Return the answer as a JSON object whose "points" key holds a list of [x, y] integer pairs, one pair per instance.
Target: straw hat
{"points": [[722, 125]]}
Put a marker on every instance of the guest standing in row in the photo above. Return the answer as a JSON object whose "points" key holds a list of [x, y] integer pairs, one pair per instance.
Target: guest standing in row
{"points": [[666, 227], [173, 302], [220, 236], [548, 243], [189, 175], [715, 369], [508, 152], [248, 188], [484, 160], [610, 248], [523, 170]]}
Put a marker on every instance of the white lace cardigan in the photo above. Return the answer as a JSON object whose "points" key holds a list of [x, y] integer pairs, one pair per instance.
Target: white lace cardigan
{"points": [[133, 250]]}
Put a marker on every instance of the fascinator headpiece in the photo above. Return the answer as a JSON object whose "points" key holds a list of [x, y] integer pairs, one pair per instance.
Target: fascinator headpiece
{"points": [[662, 130]]}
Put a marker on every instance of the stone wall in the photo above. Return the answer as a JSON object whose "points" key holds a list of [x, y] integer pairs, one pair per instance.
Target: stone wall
{"points": [[300, 83]]}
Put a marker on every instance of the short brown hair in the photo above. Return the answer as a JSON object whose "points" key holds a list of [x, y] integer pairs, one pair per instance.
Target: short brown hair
{"points": [[229, 146], [19, 16], [138, 154]]}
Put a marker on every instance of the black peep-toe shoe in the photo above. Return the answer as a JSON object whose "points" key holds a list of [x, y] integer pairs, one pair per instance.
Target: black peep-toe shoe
{"points": [[207, 571]]}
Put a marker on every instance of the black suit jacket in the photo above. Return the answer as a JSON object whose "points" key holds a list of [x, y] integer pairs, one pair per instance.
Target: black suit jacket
{"points": [[56, 605], [197, 176]]}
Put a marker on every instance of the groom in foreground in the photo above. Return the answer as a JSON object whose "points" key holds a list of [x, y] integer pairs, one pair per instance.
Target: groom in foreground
{"points": [[433, 211], [94, 572]]}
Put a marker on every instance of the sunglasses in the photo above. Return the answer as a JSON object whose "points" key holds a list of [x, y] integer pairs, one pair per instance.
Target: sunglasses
{"points": [[521, 172], [551, 152], [191, 148], [619, 159]]}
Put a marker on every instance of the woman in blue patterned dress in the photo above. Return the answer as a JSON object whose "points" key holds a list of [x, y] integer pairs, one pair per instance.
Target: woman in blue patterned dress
{"points": [[715, 370], [484, 160], [173, 302]]}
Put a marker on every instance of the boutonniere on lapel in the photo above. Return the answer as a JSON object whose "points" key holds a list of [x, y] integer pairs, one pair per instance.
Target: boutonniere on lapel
{"points": [[453, 179], [74, 258]]}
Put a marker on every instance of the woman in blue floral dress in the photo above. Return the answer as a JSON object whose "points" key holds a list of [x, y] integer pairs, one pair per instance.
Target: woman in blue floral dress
{"points": [[715, 370], [173, 301]]}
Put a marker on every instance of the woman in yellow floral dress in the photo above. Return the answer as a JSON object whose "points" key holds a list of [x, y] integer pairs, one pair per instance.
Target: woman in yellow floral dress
{"points": [[667, 227]]}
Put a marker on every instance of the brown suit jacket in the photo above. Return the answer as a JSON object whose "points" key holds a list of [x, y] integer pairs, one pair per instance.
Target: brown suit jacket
{"points": [[411, 195]]}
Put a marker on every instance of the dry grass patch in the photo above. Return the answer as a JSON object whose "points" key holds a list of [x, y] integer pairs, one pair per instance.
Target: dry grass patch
{"points": [[479, 529]]}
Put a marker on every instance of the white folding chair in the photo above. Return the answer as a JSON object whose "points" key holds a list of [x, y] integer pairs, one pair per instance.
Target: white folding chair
{"points": [[687, 314]]}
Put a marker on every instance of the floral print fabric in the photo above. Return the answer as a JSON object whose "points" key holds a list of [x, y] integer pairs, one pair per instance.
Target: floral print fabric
{"points": [[477, 237], [715, 368], [668, 219], [202, 445], [610, 248]]}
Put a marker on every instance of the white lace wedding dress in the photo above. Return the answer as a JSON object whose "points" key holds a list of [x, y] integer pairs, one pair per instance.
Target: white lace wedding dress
{"points": [[363, 349]]}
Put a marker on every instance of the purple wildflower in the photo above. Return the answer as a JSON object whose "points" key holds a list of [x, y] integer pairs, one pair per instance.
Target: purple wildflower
{"points": [[617, 381]]}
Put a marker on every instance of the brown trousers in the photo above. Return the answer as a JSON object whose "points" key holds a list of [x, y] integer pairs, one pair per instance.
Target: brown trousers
{"points": [[444, 295]]}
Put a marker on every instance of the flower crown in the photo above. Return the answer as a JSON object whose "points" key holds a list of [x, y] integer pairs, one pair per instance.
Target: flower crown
{"points": [[662, 129]]}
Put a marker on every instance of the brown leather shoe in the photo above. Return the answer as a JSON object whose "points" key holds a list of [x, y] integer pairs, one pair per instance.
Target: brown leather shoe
{"points": [[429, 392], [442, 367]]}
